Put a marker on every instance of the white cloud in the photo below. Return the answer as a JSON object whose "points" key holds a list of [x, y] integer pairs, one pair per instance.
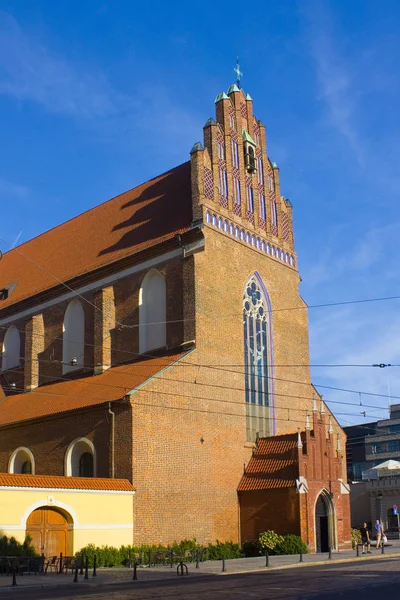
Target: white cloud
{"points": [[29, 71], [336, 80]]}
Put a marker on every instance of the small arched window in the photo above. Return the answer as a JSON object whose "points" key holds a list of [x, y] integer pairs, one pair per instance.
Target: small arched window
{"points": [[250, 159], [152, 312], [21, 461], [11, 349], [73, 337], [80, 459], [86, 465]]}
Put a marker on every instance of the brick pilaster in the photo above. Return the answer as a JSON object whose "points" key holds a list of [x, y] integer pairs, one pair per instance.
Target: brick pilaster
{"points": [[34, 345], [104, 321]]}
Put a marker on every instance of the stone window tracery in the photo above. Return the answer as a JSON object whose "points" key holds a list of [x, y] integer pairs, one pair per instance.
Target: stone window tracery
{"points": [[257, 359]]}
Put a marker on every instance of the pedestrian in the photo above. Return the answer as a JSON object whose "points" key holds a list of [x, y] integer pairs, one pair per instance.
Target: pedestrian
{"points": [[378, 532], [365, 540]]}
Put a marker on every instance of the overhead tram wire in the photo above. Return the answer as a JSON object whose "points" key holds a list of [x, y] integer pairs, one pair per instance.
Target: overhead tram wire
{"points": [[195, 383], [306, 307], [152, 405], [88, 381], [221, 368], [387, 298]]}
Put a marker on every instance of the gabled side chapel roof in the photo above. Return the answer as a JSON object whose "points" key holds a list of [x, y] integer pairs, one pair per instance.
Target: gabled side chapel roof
{"points": [[274, 464], [149, 214]]}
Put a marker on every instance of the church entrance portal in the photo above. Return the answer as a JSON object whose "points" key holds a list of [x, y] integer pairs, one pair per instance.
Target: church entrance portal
{"points": [[324, 524], [48, 529]]}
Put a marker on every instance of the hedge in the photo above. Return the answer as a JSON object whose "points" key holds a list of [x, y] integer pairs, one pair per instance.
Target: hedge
{"points": [[109, 556], [283, 544]]}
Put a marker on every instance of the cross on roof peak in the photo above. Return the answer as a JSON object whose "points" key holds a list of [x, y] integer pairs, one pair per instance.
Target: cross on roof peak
{"points": [[238, 72]]}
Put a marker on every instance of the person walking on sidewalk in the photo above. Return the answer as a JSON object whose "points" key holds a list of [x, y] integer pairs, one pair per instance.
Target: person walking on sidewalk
{"points": [[365, 541], [378, 532]]}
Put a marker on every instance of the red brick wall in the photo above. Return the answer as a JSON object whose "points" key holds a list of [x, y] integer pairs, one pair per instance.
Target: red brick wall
{"points": [[49, 438], [269, 509]]}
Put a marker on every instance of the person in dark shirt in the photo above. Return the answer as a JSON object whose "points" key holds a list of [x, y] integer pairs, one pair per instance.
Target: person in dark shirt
{"points": [[365, 541]]}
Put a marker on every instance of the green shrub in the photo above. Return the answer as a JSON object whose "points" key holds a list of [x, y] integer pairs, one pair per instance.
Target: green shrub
{"points": [[11, 547], [355, 537], [108, 556], [252, 548], [221, 550], [291, 544], [268, 540]]}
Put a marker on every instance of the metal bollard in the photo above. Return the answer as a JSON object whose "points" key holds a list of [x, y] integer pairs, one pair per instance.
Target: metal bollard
{"points": [[94, 566], [197, 560], [383, 548], [134, 571], [76, 575], [223, 565], [14, 582], [266, 559], [87, 568], [180, 569], [81, 569], [357, 550], [330, 553], [301, 555], [61, 563]]}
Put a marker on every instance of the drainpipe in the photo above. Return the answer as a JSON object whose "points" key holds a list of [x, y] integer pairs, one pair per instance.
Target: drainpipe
{"points": [[110, 412]]}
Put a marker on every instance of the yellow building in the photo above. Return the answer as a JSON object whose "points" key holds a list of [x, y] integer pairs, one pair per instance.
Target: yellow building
{"points": [[64, 514]]}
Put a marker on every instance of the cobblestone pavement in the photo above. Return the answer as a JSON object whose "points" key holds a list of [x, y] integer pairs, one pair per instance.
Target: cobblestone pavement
{"points": [[364, 579]]}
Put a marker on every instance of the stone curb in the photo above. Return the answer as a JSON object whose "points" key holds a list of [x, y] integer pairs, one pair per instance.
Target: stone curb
{"points": [[297, 565]]}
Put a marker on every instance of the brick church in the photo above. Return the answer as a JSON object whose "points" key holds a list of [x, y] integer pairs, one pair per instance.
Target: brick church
{"points": [[153, 384]]}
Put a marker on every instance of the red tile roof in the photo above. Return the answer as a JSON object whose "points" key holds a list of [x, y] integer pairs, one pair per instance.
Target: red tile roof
{"points": [[64, 396], [66, 483], [273, 465], [147, 215]]}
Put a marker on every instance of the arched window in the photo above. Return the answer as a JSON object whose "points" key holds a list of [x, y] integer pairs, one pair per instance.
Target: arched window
{"points": [[257, 359], [73, 337], [152, 312], [86, 465], [80, 459], [27, 467], [21, 461], [11, 349]]}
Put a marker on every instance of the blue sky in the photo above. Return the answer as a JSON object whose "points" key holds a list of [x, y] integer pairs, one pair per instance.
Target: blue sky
{"points": [[98, 96]]}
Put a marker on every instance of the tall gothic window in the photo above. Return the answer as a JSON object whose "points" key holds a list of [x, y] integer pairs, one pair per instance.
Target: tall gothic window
{"points": [[257, 359], [73, 337], [11, 349], [152, 312]]}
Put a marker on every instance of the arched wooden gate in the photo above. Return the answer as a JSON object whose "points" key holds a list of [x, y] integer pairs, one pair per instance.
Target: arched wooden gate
{"points": [[48, 529]]}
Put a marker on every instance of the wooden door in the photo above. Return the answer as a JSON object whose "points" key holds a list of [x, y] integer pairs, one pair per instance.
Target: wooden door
{"points": [[48, 529]]}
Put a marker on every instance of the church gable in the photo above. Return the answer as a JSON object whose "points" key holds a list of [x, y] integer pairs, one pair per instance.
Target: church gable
{"points": [[235, 186]]}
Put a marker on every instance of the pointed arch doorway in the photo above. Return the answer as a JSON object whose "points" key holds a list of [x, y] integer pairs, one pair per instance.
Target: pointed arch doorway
{"points": [[325, 530], [48, 528]]}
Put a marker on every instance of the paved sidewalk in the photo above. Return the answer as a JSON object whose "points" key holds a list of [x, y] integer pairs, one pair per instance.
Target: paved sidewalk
{"points": [[110, 577]]}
